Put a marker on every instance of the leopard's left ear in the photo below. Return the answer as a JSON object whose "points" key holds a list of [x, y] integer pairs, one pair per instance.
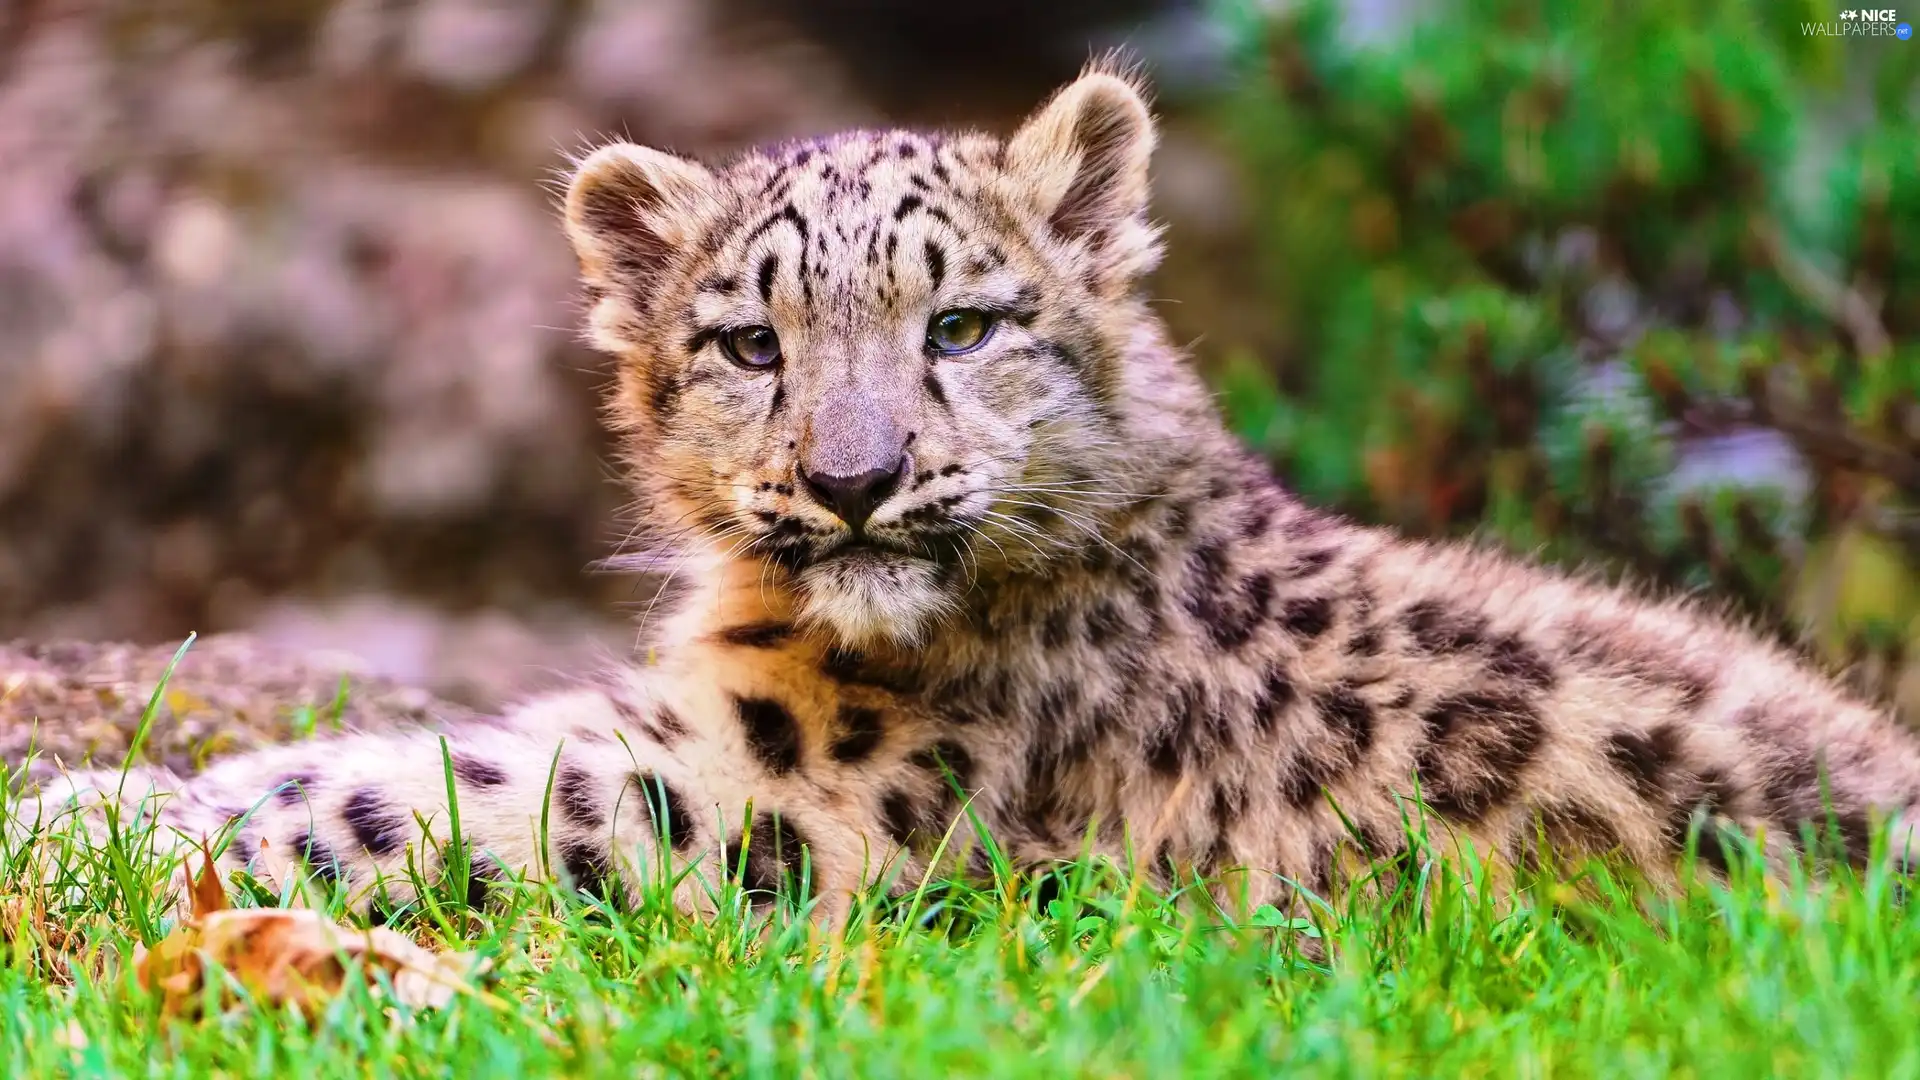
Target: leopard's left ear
{"points": [[1083, 160]]}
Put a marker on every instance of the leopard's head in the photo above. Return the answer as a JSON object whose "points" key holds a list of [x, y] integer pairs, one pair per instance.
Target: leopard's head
{"points": [[884, 362]]}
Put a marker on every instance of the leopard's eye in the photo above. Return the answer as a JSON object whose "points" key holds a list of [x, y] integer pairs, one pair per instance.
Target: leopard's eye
{"points": [[951, 333], [751, 346]]}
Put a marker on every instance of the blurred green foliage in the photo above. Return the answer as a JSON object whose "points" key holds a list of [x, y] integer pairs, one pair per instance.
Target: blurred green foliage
{"points": [[1632, 284]]}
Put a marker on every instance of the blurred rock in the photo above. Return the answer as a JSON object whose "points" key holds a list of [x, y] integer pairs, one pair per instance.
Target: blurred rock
{"points": [[73, 703]]}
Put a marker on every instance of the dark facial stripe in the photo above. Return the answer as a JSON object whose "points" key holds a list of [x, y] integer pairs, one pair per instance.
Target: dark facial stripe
{"points": [[772, 733], [768, 267], [934, 390], [573, 788], [786, 213], [376, 824], [936, 264]]}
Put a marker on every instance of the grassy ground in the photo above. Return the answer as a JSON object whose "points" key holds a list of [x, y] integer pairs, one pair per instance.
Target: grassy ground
{"points": [[1095, 976]]}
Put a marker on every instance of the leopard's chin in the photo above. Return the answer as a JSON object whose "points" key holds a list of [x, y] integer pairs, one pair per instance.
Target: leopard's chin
{"points": [[868, 596]]}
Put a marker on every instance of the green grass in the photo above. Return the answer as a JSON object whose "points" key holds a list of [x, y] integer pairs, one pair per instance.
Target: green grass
{"points": [[1569, 976]]}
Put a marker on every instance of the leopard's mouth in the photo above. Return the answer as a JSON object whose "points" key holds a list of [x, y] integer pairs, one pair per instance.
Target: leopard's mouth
{"points": [[866, 557], [864, 554], [886, 548], [892, 548]]}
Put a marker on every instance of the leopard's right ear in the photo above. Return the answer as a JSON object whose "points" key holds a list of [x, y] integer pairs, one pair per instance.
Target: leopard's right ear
{"points": [[629, 210]]}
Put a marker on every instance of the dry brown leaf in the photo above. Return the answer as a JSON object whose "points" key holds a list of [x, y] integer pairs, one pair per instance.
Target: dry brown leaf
{"points": [[298, 958], [209, 895], [291, 957]]}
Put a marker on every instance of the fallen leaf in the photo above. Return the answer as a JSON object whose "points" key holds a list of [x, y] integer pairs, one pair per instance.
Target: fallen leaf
{"points": [[299, 958], [291, 957], [209, 895]]}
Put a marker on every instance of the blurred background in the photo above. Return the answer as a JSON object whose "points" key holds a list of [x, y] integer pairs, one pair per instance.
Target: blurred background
{"points": [[286, 317]]}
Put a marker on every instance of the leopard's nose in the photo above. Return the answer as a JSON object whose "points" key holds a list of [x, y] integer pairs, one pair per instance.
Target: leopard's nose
{"points": [[854, 498]]}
